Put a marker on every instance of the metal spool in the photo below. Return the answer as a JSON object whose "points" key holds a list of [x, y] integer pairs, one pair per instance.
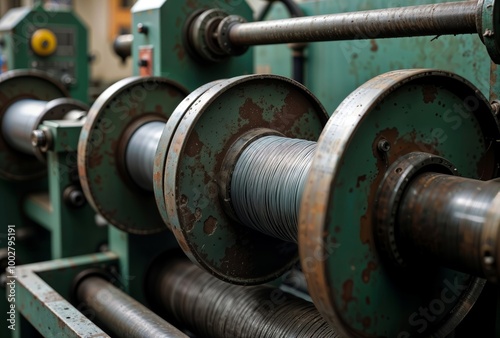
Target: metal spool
{"points": [[105, 148], [24, 116], [227, 111], [27, 86], [180, 289], [352, 280], [397, 116]]}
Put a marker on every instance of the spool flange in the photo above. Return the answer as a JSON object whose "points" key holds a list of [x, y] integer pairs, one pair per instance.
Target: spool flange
{"points": [[111, 121], [16, 85], [354, 287], [219, 117]]}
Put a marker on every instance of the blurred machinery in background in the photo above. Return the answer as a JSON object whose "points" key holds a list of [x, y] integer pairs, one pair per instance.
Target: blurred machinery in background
{"points": [[54, 41], [199, 199]]}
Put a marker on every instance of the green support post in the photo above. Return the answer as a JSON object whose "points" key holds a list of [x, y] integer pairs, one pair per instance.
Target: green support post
{"points": [[73, 227], [135, 253]]}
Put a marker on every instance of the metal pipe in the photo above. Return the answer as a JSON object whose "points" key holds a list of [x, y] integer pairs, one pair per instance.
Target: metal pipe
{"points": [[141, 151], [19, 121], [122, 314], [212, 308], [454, 221], [436, 19]]}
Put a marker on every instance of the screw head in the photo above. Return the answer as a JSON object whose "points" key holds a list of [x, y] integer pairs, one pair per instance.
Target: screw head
{"points": [[384, 146], [38, 138], [142, 29], [74, 197]]}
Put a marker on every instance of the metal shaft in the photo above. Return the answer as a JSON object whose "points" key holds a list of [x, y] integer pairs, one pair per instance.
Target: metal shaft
{"points": [[120, 313], [453, 220], [20, 119], [140, 153], [212, 308], [436, 19]]}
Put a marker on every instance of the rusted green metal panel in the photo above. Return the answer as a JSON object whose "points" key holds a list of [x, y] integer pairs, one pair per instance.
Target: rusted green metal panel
{"points": [[165, 20], [335, 69]]}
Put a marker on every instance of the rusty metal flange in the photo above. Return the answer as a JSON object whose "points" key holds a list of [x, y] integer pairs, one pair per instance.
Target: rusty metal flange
{"points": [[16, 85], [127, 104], [350, 283], [164, 145], [218, 118]]}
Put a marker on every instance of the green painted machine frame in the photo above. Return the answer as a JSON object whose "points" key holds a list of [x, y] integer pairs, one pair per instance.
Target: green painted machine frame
{"points": [[346, 65], [334, 69], [46, 226], [70, 61], [162, 34]]}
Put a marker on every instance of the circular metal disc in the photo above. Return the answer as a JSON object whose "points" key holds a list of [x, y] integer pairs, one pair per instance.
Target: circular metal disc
{"points": [[105, 182], [415, 110], [17, 85], [164, 145], [229, 109]]}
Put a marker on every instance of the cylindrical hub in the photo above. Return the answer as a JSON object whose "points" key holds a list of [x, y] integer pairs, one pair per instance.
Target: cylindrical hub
{"points": [[453, 220], [141, 151], [20, 119], [267, 184], [24, 116], [212, 308], [122, 314]]}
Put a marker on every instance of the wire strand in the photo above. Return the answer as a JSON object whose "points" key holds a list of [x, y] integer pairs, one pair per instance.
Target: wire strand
{"points": [[268, 182]]}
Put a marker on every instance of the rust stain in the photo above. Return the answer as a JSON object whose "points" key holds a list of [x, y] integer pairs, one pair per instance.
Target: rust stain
{"points": [[367, 301], [192, 4], [179, 50], [252, 112], [374, 46], [194, 146], [429, 93], [186, 216], [95, 161], [372, 266], [98, 179], [157, 177], [360, 180], [295, 107], [210, 225], [400, 145], [347, 290]]}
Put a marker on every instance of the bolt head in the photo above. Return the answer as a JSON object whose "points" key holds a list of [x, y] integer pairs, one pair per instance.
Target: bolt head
{"points": [[384, 146], [38, 138], [142, 29]]}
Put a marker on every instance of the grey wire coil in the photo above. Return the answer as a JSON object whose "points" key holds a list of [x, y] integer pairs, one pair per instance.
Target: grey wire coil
{"points": [[267, 184], [212, 308]]}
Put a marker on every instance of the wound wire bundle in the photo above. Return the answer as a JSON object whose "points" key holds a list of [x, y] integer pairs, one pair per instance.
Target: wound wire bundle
{"points": [[268, 182]]}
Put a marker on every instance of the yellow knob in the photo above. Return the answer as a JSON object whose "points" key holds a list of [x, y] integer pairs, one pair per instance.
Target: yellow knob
{"points": [[43, 42]]}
